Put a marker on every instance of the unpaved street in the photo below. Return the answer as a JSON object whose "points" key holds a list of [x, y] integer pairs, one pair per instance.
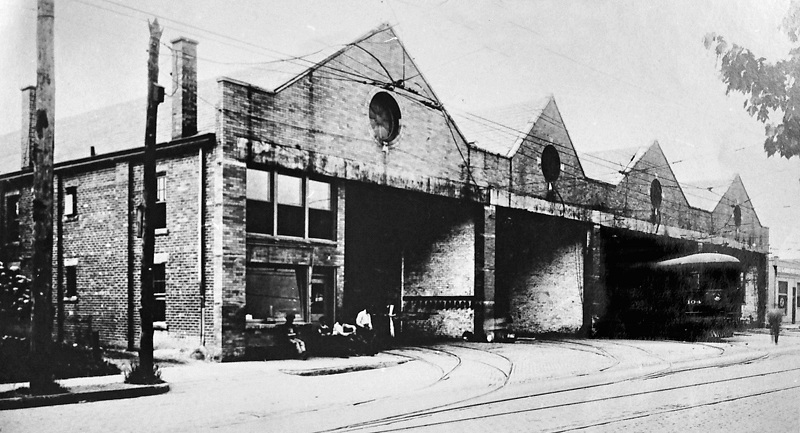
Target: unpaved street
{"points": [[747, 384]]}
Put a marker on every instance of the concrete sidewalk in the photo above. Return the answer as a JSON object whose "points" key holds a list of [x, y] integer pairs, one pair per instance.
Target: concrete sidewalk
{"points": [[573, 358], [112, 387]]}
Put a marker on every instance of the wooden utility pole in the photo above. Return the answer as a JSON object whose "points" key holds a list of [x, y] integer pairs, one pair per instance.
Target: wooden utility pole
{"points": [[155, 95], [42, 284]]}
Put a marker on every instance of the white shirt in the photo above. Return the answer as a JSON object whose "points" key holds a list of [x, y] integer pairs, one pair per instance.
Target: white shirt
{"points": [[364, 320], [339, 329]]}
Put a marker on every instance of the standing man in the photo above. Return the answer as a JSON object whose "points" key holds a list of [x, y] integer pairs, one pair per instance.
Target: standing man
{"points": [[365, 332], [774, 317]]}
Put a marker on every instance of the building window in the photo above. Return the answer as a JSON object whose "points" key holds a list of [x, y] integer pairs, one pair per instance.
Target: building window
{"points": [[551, 163], [273, 292], [260, 215], [70, 201], [160, 213], [320, 210], [783, 292], [384, 117], [12, 217], [291, 218], [160, 292], [71, 292], [301, 207]]}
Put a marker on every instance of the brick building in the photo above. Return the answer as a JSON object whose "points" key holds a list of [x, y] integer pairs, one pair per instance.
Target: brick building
{"points": [[342, 182]]}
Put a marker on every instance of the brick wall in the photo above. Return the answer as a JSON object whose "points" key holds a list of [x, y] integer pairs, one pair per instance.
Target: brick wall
{"points": [[750, 232], [326, 119], [548, 130], [445, 264], [540, 272], [434, 322], [95, 242]]}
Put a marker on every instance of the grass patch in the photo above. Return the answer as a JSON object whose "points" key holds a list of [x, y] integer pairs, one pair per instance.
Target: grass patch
{"points": [[139, 376]]}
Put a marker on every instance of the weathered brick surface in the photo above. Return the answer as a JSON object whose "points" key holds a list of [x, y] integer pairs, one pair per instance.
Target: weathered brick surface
{"points": [[327, 118], [451, 323], [540, 266], [446, 265], [415, 214], [527, 177], [750, 231], [96, 243]]}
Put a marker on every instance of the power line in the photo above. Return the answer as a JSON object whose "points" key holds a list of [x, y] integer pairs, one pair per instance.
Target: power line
{"points": [[447, 120], [288, 59]]}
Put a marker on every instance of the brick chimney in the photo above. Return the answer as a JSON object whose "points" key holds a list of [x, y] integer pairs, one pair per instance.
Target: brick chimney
{"points": [[184, 87], [28, 124]]}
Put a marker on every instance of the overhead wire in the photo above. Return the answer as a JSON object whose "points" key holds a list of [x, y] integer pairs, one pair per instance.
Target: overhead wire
{"points": [[294, 58], [359, 75], [602, 161]]}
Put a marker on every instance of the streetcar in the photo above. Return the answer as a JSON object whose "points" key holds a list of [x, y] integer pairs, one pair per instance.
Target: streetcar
{"points": [[694, 297]]}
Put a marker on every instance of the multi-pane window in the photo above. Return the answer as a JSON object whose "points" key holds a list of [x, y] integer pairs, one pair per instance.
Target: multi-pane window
{"points": [[72, 282], [12, 217], [70, 201], [260, 215], [291, 221], [286, 205], [320, 212], [160, 292], [160, 213]]}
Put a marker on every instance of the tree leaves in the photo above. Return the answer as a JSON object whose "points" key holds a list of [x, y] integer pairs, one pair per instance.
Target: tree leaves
{"points": [[791, 22], [771, 89]]}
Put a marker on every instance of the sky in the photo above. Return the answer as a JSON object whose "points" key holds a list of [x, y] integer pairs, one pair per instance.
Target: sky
{"points": [[623, 73]]}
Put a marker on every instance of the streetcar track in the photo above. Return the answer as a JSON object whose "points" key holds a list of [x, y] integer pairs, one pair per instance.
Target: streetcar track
{"points": [[445, 375], [677, 409], [583, 347], [576, 403], [416, 414], [595, 350]]}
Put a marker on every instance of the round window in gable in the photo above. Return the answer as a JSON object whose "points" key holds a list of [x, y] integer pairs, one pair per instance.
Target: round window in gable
{"points": [[551, 164], [655, 193], [384, 117]]}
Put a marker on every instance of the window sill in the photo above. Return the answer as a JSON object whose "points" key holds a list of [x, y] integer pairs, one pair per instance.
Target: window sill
{"points": [[70, 299], [260, 324], [162, 231], [159, 326], [70, 218], [262, 236]]}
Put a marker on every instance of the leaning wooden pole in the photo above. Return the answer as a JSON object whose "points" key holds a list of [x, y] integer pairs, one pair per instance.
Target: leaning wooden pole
{"points": [[42, 284], [154, 97]]}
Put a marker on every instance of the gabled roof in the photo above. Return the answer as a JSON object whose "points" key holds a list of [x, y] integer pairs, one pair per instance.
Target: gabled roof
{"points": [[501, 130], [276, 75], [117, 127], [747, 199], [611, 166], [706, 194], [121, 126]]}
